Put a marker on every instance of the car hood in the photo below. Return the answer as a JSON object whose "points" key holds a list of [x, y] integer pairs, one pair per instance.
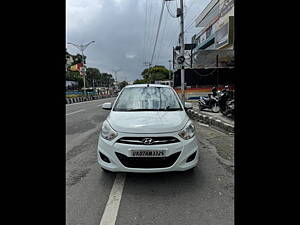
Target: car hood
{"points": [[147, 122]]}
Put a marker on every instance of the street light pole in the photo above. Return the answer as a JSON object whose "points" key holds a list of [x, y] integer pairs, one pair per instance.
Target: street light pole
{"points": [[82, 48], [84, 72], [116, 71]]}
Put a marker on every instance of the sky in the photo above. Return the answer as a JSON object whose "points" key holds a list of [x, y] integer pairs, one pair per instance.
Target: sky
{"points": [[124, 32]]}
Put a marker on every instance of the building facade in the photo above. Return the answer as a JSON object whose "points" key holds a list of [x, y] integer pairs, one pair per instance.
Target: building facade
{"points": [[213, 52], [216, 23]]}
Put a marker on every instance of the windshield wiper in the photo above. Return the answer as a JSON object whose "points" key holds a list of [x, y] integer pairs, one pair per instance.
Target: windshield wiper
{"points": [[131, 110], [170, 109]]}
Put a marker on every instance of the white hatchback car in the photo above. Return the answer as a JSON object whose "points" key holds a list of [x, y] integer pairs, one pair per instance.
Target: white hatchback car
{"points": [[147, 131]]}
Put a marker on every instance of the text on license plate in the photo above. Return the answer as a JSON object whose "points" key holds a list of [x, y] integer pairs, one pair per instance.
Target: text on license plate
{"points": [[148, 153]]}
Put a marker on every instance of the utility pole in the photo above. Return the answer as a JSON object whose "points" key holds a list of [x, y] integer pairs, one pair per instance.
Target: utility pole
{"points": [[181, 57], [173, 78], [217, 62], [82, 48], [182, 50], [170, 70]]}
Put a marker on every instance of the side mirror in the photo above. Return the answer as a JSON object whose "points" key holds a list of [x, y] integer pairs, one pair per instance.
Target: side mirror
{"points": [[188, 105], [107, 106]]}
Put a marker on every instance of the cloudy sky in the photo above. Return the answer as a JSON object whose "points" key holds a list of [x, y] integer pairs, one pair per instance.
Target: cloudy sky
{"points": [[124, 32]]}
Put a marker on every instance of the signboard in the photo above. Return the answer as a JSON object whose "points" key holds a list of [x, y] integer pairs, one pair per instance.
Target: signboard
{"points": [[70, 84], [221, 38], [180, 60], [82, 71], [225, 34], [76, 67], [208, 59], [185, 61]]}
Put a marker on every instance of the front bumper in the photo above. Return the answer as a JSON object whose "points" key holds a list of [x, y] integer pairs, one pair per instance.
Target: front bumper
{"points": [[184, 148]]}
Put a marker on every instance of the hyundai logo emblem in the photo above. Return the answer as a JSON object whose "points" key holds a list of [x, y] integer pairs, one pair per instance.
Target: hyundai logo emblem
{"points": [[147, 141]]}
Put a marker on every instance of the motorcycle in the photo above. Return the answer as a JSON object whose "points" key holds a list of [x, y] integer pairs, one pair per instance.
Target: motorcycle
{"points": [[211, 102], [226, 103]]}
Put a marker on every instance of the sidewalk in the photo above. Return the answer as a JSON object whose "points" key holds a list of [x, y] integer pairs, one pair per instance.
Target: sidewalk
{"points": [[219, 115], [213, 119]]}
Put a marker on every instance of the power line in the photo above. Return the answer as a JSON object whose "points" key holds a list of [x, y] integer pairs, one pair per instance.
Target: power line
{"points": [[162, 37], [174, 38], [190, 4], [152, 25], [145, 30], [194, 18], [169, 11], [158, 28], [148, 37]]}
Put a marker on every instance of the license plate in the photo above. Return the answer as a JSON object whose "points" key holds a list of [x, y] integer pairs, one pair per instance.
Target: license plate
{"points": [[148, 153]]}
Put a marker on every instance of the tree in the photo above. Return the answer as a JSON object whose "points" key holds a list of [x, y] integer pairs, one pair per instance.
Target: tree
{"points": [[93, 76], [141, 81], [97, 79], [75, 76], [107, 79], [155, 73], [78, 58], [122, 84]]}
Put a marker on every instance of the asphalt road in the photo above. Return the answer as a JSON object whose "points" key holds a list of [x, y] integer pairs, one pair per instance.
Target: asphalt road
{"points": [[204, 196]]}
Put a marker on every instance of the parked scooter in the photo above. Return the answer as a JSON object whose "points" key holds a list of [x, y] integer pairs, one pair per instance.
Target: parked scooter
{"points": [[226, 102], [211, 102]]}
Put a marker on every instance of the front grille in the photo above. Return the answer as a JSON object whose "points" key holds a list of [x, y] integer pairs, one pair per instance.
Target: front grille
{"points": [[155, 140], [148, 162]]}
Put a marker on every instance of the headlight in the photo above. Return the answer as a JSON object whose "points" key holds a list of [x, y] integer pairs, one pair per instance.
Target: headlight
{"points": [[107, 132], [188, 131]]}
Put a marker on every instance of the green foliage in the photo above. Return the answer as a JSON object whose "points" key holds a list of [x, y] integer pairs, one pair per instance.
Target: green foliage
{"points": [[78, 59], [100, 79], [155, 73], [107, 80], [122, 84], [142, 81], [75, 76], [93, 76]]}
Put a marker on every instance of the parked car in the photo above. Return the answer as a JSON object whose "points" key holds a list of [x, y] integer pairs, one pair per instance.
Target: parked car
{"points": [[147, 130]]}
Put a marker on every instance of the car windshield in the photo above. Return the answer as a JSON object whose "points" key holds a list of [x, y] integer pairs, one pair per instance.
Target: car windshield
{"points": [[147, 99]]}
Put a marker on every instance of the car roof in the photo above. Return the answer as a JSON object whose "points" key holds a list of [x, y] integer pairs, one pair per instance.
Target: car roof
{"points": [[145, 85]]}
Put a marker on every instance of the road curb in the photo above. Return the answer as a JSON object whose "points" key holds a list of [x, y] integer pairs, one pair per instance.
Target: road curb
{"points": [[210, 121], [86, 98]]}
